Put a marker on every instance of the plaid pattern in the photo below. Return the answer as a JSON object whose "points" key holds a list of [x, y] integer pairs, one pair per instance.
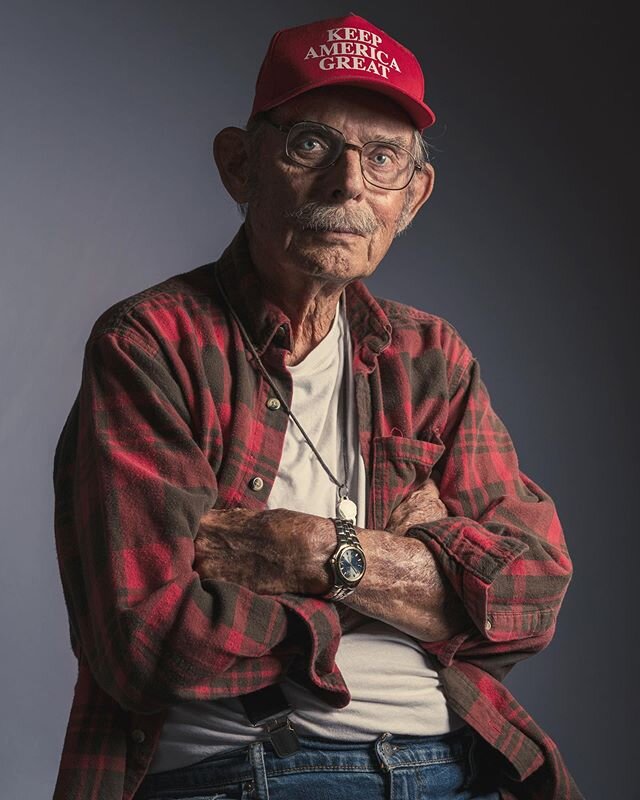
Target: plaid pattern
{"points": [[171, 419]]}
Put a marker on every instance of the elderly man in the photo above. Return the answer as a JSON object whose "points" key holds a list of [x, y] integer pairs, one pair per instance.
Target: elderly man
{"points": [[297, 551]]}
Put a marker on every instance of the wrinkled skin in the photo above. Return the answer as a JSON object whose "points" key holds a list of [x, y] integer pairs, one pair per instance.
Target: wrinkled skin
{"points": [[286, 551]]}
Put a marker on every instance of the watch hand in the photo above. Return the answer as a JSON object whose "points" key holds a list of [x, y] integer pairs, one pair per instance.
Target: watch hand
{"points": [[353, 573]]}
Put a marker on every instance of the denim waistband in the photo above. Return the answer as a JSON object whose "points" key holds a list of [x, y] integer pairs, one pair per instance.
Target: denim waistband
{"points": [[387, 752]]}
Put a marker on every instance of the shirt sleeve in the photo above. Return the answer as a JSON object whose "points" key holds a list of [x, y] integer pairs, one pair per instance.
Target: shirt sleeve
{"points": [[131, 485], [502, 546]]}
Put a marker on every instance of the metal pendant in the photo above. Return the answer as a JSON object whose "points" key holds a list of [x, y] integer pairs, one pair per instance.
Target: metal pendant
{"points": [[347, 509]]}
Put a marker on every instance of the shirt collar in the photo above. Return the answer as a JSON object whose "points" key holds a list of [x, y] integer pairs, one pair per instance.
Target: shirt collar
{"points": [[268, 326]]}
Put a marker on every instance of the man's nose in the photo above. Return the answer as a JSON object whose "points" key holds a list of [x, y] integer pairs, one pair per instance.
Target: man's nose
{"points": [[345, 176]]}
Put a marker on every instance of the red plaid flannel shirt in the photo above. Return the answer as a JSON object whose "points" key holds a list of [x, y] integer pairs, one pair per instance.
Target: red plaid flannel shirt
{"points": [[171, 419]]}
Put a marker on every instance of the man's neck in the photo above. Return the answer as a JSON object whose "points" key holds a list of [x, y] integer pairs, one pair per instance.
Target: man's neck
{"points": [[309, 302]]}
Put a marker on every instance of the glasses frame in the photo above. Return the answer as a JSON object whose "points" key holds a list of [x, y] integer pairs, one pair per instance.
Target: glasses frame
{"points": [[286, 129]]}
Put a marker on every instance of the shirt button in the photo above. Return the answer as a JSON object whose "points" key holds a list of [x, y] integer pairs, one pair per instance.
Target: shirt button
{"points": [[487, 624], [256, 484], [273, 404], [138, 736]]}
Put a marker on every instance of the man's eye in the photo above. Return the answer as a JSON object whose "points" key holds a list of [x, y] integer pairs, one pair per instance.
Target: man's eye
{"points": [[383, 158], [308, 144]]}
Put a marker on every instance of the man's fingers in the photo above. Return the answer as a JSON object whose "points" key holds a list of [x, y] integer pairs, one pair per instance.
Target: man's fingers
{"points": [[435, 509], [429, 487], [425, 511], [422, 505], [421, 497]]}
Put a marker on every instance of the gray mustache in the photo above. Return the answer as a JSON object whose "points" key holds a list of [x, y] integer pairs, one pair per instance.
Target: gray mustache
{"points": [[317, 216]]}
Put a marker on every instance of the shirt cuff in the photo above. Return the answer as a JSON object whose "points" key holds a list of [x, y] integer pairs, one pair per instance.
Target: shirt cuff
{"points": [[473, 559]]}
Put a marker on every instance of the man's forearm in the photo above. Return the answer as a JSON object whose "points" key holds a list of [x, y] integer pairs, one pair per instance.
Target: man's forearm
{"points": [[280, 551], [404, 587]]}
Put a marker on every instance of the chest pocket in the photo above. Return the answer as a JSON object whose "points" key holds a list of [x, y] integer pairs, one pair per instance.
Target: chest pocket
{"points": [[400, 465]]}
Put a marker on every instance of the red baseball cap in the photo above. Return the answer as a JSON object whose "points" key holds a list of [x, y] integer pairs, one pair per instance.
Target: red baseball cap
{"points": [[345, 50]]}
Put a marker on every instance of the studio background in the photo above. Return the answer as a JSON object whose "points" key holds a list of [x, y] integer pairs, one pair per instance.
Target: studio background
{"points": [[107, 111]]}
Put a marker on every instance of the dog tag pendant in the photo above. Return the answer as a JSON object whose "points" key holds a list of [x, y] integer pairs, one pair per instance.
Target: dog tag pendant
{"points": [[347, 509]]}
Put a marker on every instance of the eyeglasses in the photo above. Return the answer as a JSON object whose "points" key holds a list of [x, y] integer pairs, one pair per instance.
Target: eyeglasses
{"points": [[386, 165]]}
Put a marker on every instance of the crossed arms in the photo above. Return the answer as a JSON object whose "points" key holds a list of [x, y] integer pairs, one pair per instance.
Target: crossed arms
{"points": [[280, 551], [133, 487]]}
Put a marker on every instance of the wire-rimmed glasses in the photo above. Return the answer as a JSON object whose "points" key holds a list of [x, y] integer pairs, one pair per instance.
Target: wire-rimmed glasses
{"points": [[385, 164]]}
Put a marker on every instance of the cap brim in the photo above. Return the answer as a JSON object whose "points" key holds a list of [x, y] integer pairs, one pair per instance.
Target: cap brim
{"points": [[420, 113]]}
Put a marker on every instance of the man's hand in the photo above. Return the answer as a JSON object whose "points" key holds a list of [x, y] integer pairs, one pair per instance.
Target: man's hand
{"points": [[410, 591], [422, 505], [270, 552]]}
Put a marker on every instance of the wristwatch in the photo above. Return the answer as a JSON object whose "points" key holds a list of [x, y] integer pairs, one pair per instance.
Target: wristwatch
{"points": [[348, 563]]}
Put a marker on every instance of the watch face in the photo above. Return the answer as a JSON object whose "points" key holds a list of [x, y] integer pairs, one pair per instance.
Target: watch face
{"points": [[351, 564]]}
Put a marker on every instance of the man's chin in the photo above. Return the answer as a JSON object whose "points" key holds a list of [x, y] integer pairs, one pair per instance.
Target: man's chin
{"points": [[335, 258]]}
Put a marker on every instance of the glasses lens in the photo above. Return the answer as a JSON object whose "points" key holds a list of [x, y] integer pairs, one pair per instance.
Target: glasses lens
{"points": [[313, 145], [388, 165]]}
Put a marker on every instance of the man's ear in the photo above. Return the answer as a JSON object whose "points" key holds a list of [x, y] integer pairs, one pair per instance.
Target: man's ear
{"points": [[231, 154], [423, 186]]}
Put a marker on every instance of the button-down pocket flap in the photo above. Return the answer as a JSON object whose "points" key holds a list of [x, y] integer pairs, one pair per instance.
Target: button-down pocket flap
{"points": [[400, 465]]}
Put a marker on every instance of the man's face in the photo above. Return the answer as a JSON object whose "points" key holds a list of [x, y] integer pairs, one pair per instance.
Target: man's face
{"points": [[280, 188]]}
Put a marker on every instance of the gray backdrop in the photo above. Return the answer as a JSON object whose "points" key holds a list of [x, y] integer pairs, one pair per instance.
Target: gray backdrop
{"points": [[107, 185]]}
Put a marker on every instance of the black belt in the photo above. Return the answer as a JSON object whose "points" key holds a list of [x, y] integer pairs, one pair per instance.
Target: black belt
{"points": [[269, 707]]}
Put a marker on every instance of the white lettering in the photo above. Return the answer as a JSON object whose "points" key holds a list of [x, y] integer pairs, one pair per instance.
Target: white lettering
{"points": [[353, 34], [353, 48]]}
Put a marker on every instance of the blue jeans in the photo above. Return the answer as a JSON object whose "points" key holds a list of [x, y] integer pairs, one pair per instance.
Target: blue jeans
{"points": [[393, 767]]}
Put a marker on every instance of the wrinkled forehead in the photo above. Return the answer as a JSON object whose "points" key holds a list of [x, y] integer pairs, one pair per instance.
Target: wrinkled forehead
{"points": [[360, 113]]}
